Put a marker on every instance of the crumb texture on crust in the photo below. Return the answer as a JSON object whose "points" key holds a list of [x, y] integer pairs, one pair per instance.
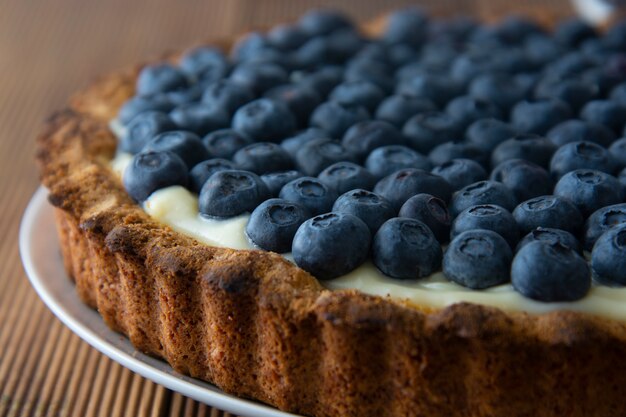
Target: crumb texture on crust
{"points": [[259, 327]]}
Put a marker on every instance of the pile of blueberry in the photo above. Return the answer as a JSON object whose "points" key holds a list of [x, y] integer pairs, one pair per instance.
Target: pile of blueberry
{"points": [[500, 143]]}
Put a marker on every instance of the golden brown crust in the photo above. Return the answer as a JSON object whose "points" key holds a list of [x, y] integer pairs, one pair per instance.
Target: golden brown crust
{"points": [[259, 327]]}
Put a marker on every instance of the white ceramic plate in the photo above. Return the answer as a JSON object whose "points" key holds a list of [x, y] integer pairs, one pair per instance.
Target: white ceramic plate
{"points": [[40, 252]]}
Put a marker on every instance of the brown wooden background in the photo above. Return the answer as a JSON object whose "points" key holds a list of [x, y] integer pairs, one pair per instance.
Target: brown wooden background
{"points": [[48, 49]]}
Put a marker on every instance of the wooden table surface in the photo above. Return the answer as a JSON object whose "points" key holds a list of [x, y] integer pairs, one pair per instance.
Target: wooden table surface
{"points": [[47, 51]]}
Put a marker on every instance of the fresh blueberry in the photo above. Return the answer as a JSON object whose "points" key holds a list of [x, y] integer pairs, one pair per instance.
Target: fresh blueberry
{"points": [[581, 155], [542, 49], [431, 211], [550, 272], [460, 172], [160, 78], [498, 88], [466, 109], [313, 194], [205, 63], [524, 178], [318, 154], [570, 64], [489, 133], [139, 104], [200, 118], [187, 145], [372, 71], [202, 171], [482, 192], [404, 184], [436, 55], [531, 147], [299, 100], [515, 29], [616, 35], [263, 158], [471, 64], [323, 80], [224, 143], [608, 258], [230, 193], [273, 224], [589, 190], [364, 137], [539, 116], [548, 211], [425, 131], [572, 32], [294, 143], [618, 94], [323, 21], [574, 92], [249, 45], [386, 160], [406, 26], [345, 176], [373, 209], [618, 152], [151, 171], [487, 216], [144, 127], [578, 130], [186, 96], [336, 118], [264, 120], [406, 249], [551, 236], [286, 37], [436, 87], [355, 93], [275, 181], [225, 94], [259, 77], [343, 44], [399, 108], [602, 220], [478, 259], [458, 150], [605, 112]]}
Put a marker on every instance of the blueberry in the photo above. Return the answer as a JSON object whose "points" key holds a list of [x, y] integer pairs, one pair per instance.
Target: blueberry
{"points": [[458, 150], [151, 171], [200, 118], [249, 45], [436, 55], [373, 209], [273, 224], [616, 35], [581, 155], [436, 87], [487, 216], [399, 108], [406, 26], [318, 154], [533, 148], [608, 258], [482, 192], [186, 96], [572, 32], [202, 171], [323, 21], [579, 130], [187, 145], [336, 118], [205, 63], [299, 100], [431, 211], [286, 37], [618, 152], [310, 192], [139, 104], [226, 95], [331, 245], [471, 64], [356, 93], [345, 176], [293, 144], [515, 29], [263, 158], [570, 64], [364, 137], [478, 259], [551, 236], [489, 133], [343, 44], [386, 160], [224, 143], [275, 181], [540, 115], [402, 185], [542, 49], [524, 178], [618, 94], [323, 80], [371, 71], [460, 172], [574, 92], [602, 220], [589, 190], [622, 179], [144, 127], [425, 131], [550, 272], [406, 249], [605, 112], [500, 89], [466, 109], [160, 78], [230, 193], [258, 77], [548, 211], [264, 120]]}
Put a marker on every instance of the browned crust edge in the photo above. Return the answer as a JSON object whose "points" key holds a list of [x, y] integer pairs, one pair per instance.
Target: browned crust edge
{"points": [[259, 327]]}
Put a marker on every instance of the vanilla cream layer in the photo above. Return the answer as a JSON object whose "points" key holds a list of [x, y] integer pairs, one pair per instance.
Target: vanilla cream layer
{"points": [[178, 208]]}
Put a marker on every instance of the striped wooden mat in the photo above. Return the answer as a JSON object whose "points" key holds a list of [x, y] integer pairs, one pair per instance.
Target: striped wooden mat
{"points": [[48, 50]]}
